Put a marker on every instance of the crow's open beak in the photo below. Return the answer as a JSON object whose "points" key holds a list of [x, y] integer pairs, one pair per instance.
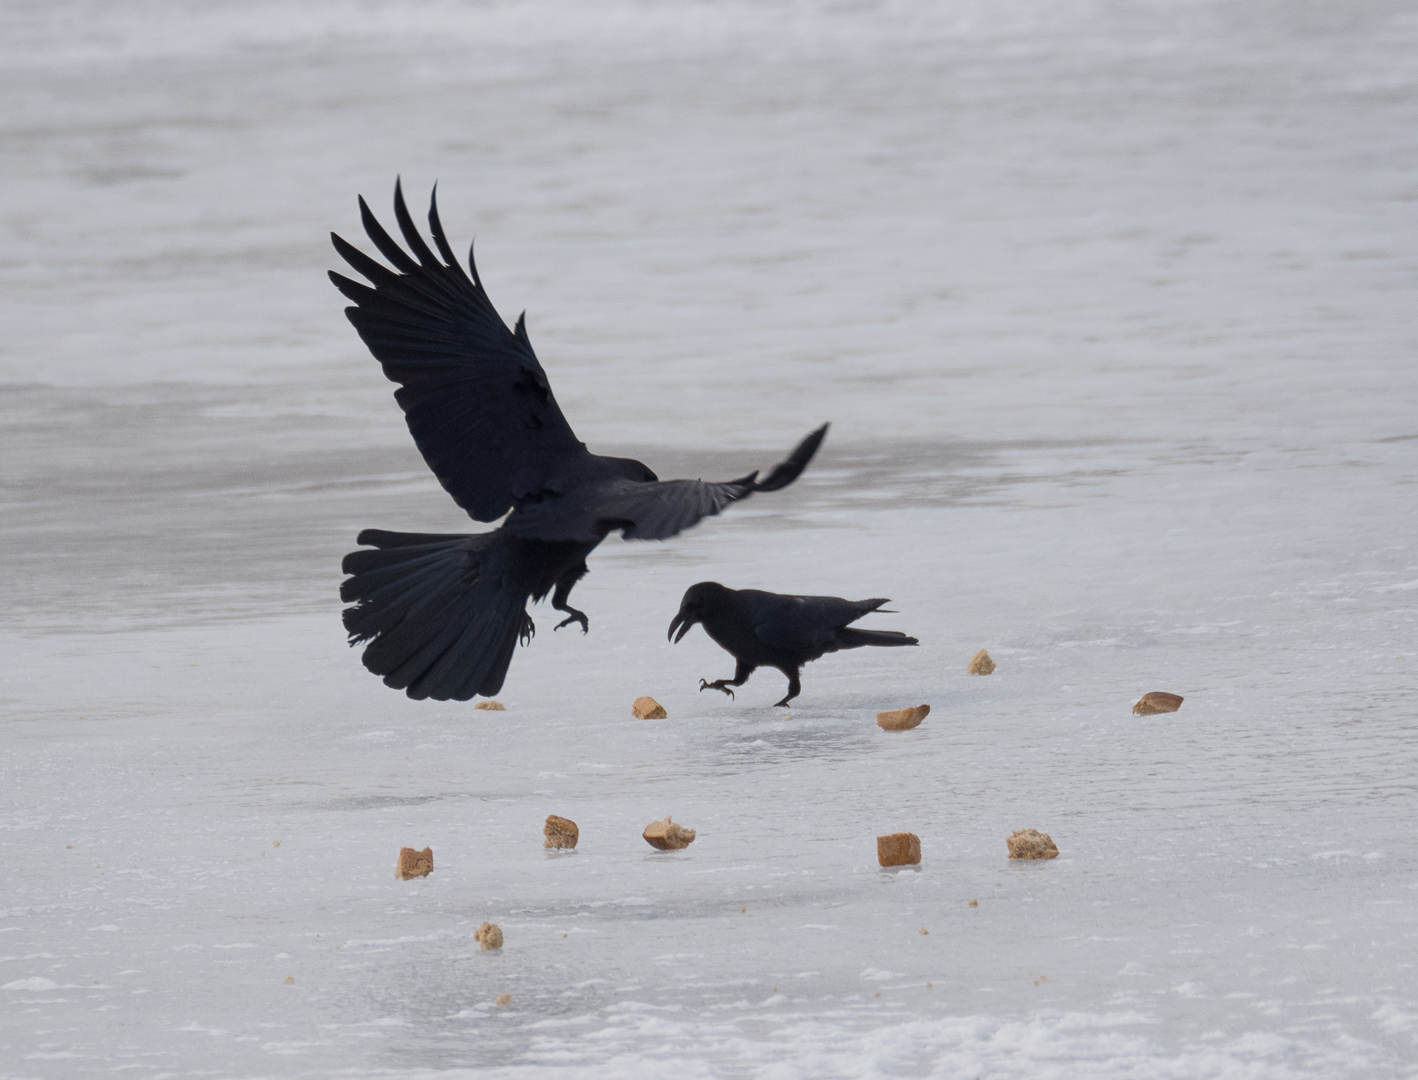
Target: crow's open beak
{"points": [[684, 623]]}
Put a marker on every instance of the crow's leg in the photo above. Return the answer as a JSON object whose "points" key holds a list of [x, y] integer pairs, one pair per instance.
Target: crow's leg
{"points": [[741, 674], [564, 584], [794, 687]]}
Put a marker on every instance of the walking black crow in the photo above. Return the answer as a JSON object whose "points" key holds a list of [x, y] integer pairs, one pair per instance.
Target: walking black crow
{"points": [[764, 629], [443, 612]]}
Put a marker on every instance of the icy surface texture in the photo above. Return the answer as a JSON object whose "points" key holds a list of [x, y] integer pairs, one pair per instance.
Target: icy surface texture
{"points": [[1112, 306]]}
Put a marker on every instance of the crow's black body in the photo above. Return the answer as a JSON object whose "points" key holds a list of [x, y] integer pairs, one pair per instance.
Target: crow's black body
{"points": [[443, 613], [764, 629]]}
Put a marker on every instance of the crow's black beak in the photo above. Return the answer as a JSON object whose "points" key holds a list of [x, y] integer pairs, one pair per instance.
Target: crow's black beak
{"points": [[684, 622]]}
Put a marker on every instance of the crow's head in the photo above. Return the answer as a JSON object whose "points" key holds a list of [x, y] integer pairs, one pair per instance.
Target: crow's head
{"points": [[697, 599]]}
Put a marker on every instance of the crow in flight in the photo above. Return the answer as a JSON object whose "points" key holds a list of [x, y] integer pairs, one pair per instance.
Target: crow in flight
{"points": [[443, 612], [764, 629]]}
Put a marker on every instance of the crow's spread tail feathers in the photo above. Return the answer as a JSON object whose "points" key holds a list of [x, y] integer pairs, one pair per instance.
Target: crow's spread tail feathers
{"points": [[850, 637], [442, 613]]}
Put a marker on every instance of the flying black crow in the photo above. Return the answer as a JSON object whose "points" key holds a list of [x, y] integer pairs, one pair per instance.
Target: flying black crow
{"points": [[443, 612], [764, 629]]}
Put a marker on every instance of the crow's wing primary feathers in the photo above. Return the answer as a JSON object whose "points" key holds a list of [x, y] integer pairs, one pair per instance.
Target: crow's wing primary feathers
{"points": [[653, 510], [802, 621], [477, 402], [644, 509]]}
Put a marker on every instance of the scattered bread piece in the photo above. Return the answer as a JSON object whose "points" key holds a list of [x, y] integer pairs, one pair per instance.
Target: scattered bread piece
{"points": [[1156, 702], [667, 836], [290, 980], [491, 706], [560, 832], [902, 719], [1031, 844], [504, 999], [923, 932], [974, 903], [489, 935], [413, 863], [647, 708], [980, 664], [898, 849]]}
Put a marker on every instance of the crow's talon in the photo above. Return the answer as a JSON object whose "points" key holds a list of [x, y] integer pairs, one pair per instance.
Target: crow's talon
{"points": [[705, 684], [575, 616]]}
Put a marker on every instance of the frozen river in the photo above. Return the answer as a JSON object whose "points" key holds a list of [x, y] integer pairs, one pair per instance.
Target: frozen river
{"points": [[1112, 307]]}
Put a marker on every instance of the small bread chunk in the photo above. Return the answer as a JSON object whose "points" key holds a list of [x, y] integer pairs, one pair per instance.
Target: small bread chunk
{"points": [[491, 706], [980, 664], [489, 934], [1156, 702], [898, 849], [560, 832], [413, 863], [504, 999], [1031, 844], [290, 980], [667, 836], [647, 708], [902, 719], [974, 903]]}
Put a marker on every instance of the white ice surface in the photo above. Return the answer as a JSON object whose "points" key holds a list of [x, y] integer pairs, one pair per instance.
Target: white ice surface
{"points": [[1113, 308]]}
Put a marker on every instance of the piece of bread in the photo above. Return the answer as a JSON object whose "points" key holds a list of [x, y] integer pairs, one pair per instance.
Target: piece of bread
{"points": [[489, 935], [491, 706], [667, 836], [1031, 844], [898, 849], [560, 832], [413, 863], [980, 664], [647, 708], [1156, 702], [902, 719]]}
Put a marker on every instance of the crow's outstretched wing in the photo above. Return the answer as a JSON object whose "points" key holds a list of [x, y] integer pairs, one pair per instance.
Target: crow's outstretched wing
{"points": [[477, 402], [789, 622], [645, 509]]}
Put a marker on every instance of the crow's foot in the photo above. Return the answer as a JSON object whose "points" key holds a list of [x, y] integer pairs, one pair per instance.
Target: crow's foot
{"points": [[575, 616], [528, 631], [718, 684], [784, 703]]}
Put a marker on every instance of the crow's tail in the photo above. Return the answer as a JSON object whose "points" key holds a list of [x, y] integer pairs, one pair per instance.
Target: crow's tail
{"points": [[852, 638], [442, 613]]}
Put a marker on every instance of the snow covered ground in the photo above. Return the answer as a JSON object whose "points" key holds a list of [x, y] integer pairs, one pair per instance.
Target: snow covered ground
{"points": [[1112, 308]]}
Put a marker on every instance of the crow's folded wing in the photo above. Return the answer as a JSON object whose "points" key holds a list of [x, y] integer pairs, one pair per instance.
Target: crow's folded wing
{"points": [[606, 500], [807, 621], [477, 402]]}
